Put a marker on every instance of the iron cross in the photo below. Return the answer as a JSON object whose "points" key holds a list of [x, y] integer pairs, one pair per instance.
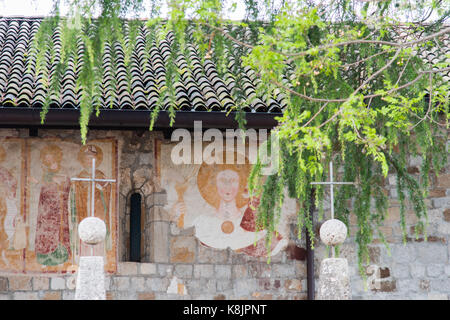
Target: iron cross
{"points": [[93, 181], [331, 184]]}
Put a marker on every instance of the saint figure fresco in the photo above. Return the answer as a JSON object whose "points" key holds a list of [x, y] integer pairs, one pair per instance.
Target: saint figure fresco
{"points": [[81, 197], [8, 208], [12, 225], [232, 222], [52, 237], [222, 213], [40, 207]]}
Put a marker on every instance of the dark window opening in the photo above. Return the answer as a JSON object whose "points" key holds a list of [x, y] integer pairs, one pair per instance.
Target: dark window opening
{"points": [[135, 227]]}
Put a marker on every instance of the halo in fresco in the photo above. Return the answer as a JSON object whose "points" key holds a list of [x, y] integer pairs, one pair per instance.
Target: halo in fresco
{"points": [[214, 199], [40, 207]]}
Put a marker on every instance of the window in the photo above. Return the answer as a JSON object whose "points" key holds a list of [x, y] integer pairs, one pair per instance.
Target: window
{"points": [[135, 227]]}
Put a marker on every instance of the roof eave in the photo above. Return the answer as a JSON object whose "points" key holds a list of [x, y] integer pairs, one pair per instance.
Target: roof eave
{"points": [[131, 119]]}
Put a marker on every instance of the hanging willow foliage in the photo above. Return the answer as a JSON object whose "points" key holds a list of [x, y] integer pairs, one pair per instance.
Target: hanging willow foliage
{"points": [[354, 88]]}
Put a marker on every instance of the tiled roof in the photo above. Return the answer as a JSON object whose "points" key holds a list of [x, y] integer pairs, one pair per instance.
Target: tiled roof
{"points": [[134, 86], [434, 51]]}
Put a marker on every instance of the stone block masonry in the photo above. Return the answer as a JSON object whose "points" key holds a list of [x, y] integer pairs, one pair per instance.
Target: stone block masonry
{"points": [[205, 276], [174, 264], [417, 269], [146, 281]]}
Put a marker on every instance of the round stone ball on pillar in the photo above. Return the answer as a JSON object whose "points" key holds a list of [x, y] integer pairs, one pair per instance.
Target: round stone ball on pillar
{"points": [[90, 284], [334, 280], [92, 230], [333, 232]]}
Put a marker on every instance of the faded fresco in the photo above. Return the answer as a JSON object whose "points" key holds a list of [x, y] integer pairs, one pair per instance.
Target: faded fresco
{"points": [[43, 207], [12, 220], [104, 201], [214, 199]]}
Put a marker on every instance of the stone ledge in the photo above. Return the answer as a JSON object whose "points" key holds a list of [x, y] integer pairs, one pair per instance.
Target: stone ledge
{"points": [[147, 268], [20, 282], [127, 268], [21, 295], [52, 295], [41, 283], [58, 283]]}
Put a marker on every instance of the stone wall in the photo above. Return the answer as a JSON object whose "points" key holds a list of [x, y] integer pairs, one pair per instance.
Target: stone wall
{"points": [[417, 269], [175, 265], [219, 276]]}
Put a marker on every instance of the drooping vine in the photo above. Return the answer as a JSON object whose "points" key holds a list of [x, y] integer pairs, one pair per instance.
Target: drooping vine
{"points": [[348, 76]]}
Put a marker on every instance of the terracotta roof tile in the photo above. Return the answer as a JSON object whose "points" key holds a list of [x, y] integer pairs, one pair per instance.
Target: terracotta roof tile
{"points": [[132, 86], [136, 85]]}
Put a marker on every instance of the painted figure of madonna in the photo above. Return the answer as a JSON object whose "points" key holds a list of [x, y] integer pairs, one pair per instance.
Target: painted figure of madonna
{"points": [[230, 220]]}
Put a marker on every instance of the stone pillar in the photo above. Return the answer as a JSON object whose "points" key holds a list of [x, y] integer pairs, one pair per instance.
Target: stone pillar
{"points": [[159, 241], [334, 281], [91, 273], [157, 234], [91, 279]]}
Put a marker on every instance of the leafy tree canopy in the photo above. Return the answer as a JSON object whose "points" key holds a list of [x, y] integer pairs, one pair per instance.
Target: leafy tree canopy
{"points": [[355, 88]]}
